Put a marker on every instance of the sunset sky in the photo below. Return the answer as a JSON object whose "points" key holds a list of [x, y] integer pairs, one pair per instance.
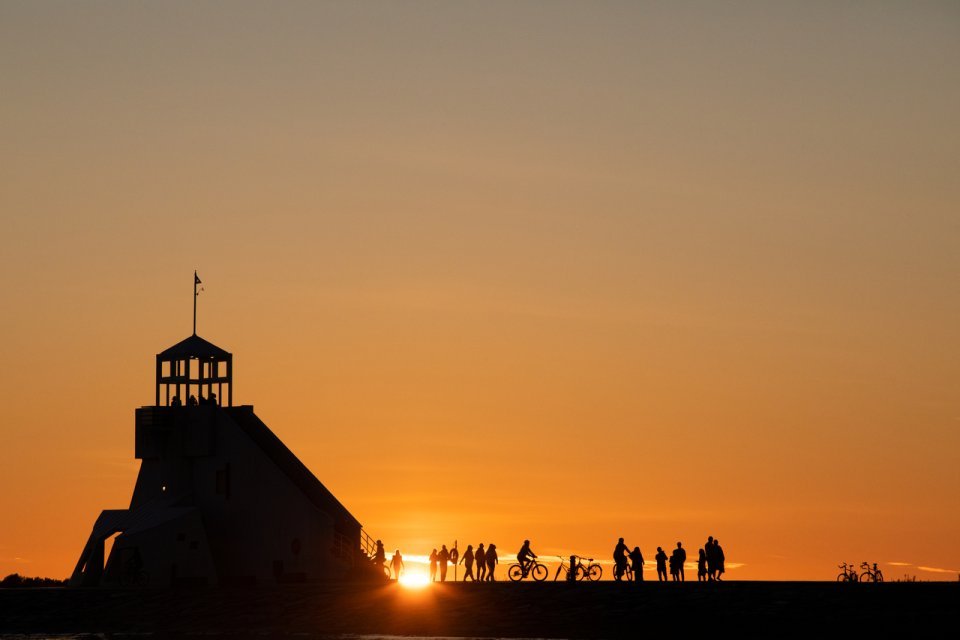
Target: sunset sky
{"points": [[565, 271]]}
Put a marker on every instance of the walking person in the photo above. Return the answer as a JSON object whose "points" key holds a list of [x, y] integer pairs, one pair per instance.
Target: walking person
{"points": [[396, 563], [681, 560], [636, 563], [433, 566], [718, 551], [661, 558], [443, 558], [492, 561], [467, 562], [480, 557]]}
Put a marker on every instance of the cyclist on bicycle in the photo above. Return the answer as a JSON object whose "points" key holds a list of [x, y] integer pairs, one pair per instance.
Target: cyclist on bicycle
{"points": [[525, 556]]}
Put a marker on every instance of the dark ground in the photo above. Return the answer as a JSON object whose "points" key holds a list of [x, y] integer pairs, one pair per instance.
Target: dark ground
{"points": [[554, 610]]}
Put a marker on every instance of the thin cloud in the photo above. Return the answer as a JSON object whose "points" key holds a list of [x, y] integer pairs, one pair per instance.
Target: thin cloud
{"points": [[938, 570], [900, 564]]}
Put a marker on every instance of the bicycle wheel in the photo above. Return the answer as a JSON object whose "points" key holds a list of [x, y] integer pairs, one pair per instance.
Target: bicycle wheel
{"points": [[515, 573], [539, 572], [866, 576], [878, 576], [842, 577], [386, 571], [594, 572], [581, 572]]}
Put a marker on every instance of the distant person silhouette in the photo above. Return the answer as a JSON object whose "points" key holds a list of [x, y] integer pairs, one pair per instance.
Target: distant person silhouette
{"points": [[661, 558], [380, 555], [212, 399], [467, 562], [702, 566], [674, 571], [443, 558], [192, 401], [492, 561], [481, 559], [525, 557], [681, 559], [711, 559], [636, 563], [718, 550], [176, 402], [396, 563], [433, 566], [619, 560]]}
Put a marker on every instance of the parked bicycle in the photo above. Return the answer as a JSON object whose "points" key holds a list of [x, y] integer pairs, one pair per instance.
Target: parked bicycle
{"points": [[591, 571], [848, 573], [534, 568], [870, 576]]}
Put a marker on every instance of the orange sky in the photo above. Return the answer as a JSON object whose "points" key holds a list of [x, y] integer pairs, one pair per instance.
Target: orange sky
{"points": [[565, 271]]}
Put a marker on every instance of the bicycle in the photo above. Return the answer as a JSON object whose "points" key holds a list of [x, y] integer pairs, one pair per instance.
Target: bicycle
{"points": [[870, 576], [536, 569], [848, 573], [591, 571]]}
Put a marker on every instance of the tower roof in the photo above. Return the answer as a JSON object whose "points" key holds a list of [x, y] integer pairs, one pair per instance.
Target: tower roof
{"points": [[194, 347]]}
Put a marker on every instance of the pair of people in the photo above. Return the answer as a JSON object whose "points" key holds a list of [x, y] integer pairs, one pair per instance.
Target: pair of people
{"points": [[621, 555], [677, 560], [442, 559], [485, 559], [714, 559]]}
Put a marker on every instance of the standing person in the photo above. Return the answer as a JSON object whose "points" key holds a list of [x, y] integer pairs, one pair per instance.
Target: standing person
{"points": [[636, 563], [681, 560], [380, 556], [674, 572], [619, 560], [433, 566], [481, 558], [661, 558], [396, 563], [711, 559], [467, 562], [443, 558], [492, 561], [702, 566], [718, 551]]}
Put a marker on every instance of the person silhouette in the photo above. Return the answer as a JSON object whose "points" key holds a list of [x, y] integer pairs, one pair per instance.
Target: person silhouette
{"points": [[467, 562], [481, 559], [379, 556], [396, 563], [636, 563], [711, 559], [661, 559], [702, 566], [443, 558], [674, 572], [681, 554], [192, 401], [492, 561], [525, 557], [718, 551], [433, 566], [619, 560], [176, 402], [212, 399]]}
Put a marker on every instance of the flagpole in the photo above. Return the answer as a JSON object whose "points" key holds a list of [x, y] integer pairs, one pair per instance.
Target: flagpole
{"points": [[195, 279]]}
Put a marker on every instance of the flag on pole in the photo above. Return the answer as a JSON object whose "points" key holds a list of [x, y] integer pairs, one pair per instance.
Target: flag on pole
{"points": [[196, 278]]}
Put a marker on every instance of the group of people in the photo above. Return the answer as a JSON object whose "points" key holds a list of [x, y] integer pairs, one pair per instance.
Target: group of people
{"points": [[192, 401], [627, 564], [485, 560], [709, 563]]}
